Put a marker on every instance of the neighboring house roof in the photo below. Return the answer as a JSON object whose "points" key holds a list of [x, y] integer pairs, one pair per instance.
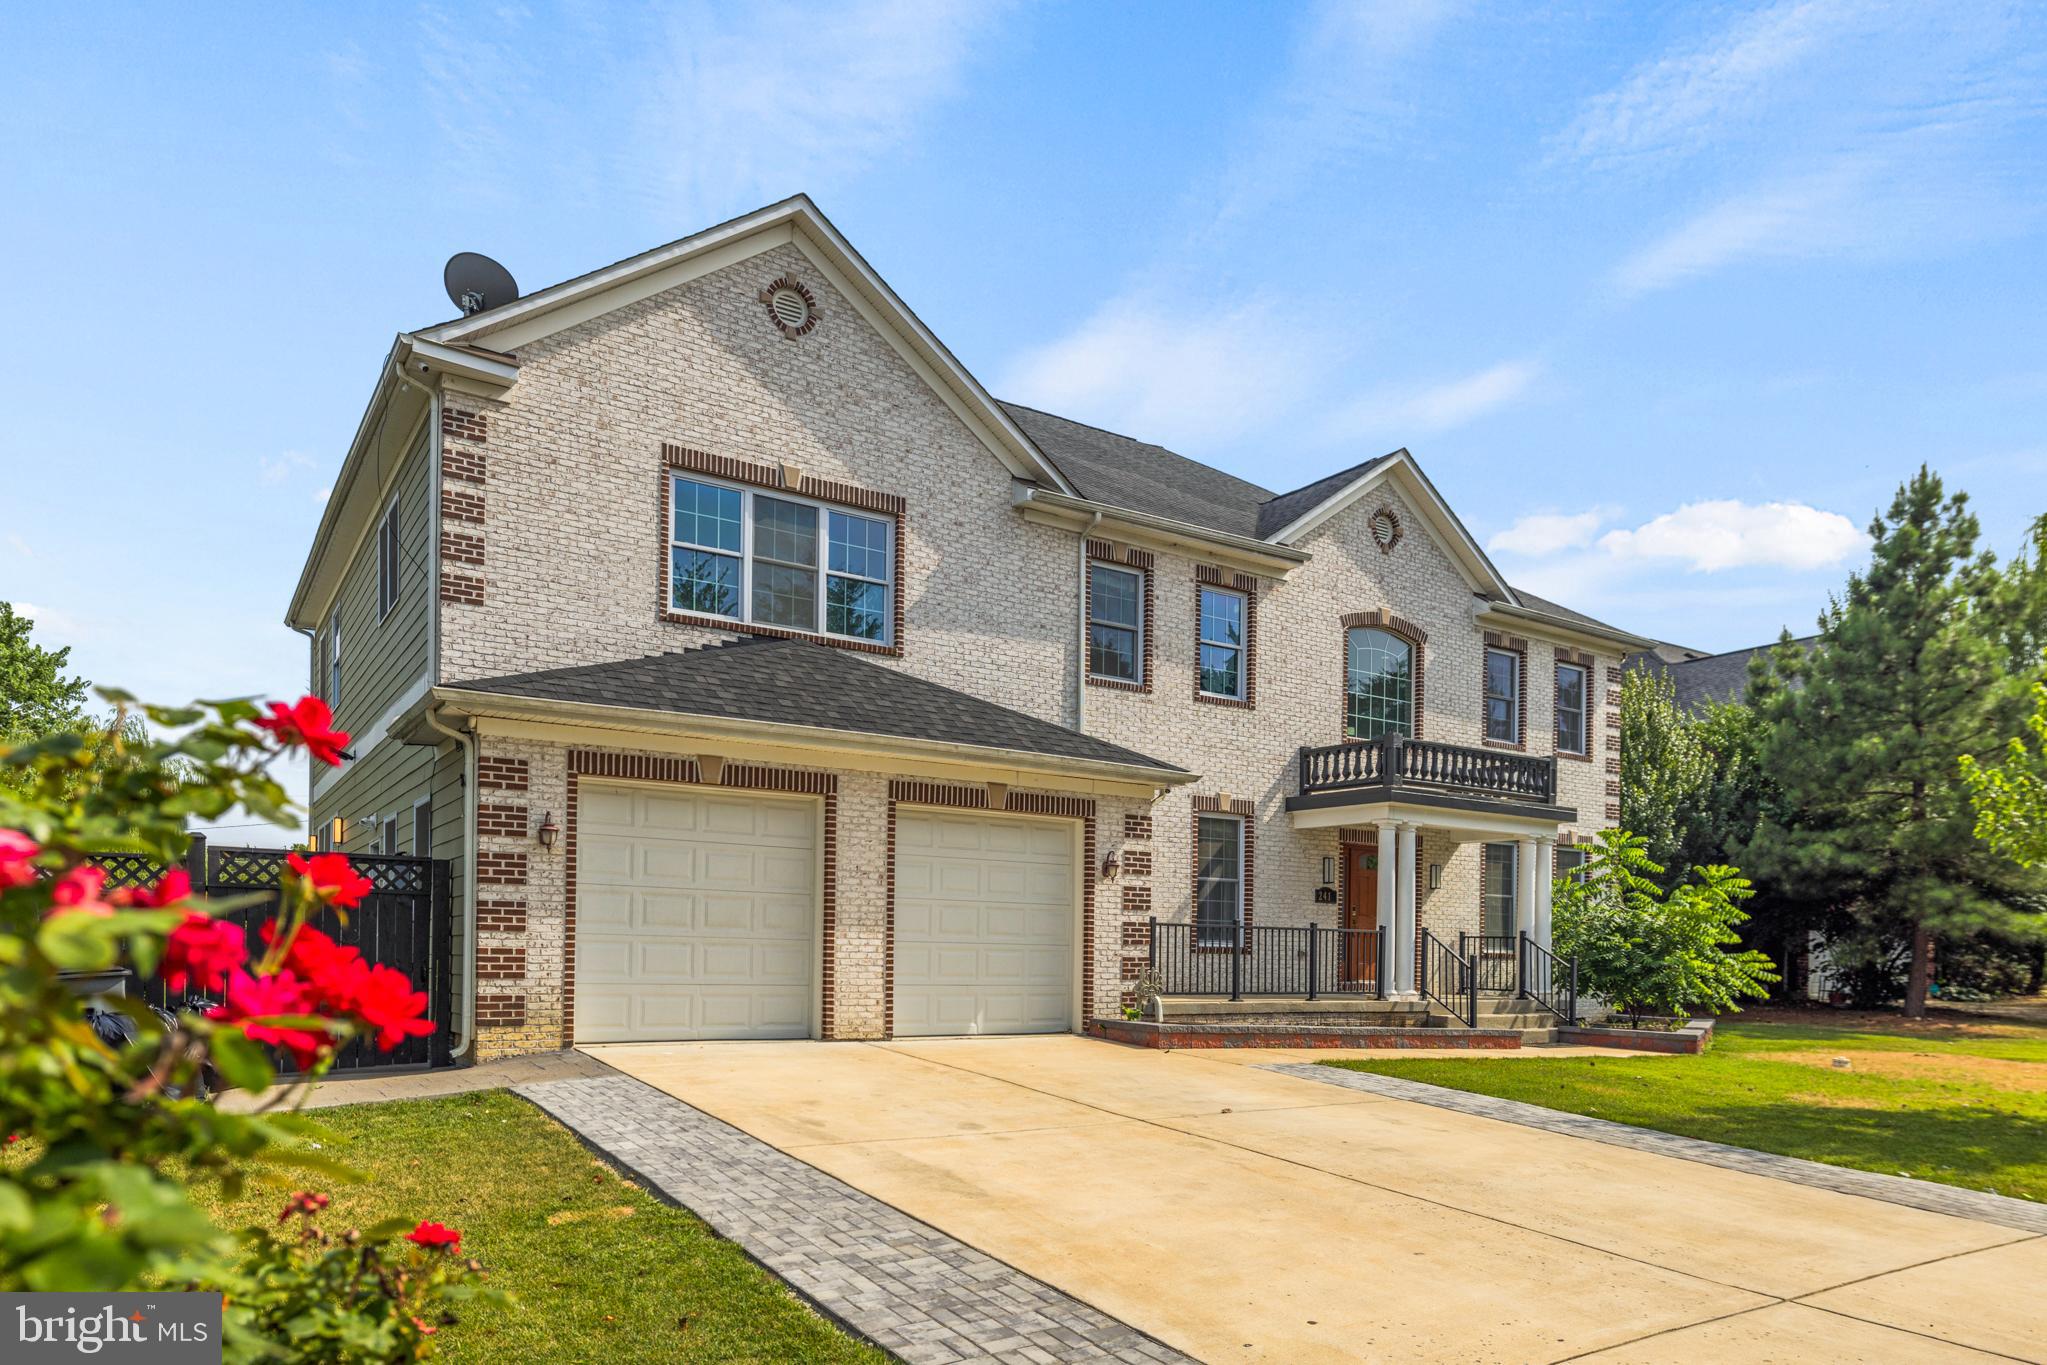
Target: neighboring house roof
{"points": [[1701, 678], [797, 683]]}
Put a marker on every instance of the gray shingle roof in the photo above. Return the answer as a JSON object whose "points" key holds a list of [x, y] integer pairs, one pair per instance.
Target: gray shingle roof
{"points": [[1714, 677], [795, 682], [1282, 510], [1125, 472]]}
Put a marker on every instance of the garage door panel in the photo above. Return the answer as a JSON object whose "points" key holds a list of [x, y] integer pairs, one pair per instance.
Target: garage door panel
{"points": [[696, 915], [985, 924]]}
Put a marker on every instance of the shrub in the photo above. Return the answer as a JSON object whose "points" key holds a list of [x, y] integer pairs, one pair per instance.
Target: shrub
{"points": [[1643, 951], [95, 1197]]}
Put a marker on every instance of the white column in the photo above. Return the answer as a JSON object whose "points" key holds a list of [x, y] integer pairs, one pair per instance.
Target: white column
{"points": [[1524, 890], [1388, 949], [1404, 919], [1545, 876]]}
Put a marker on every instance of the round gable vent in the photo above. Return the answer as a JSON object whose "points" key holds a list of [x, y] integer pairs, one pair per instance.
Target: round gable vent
{"points": [[1386, 529], [791, 307]]}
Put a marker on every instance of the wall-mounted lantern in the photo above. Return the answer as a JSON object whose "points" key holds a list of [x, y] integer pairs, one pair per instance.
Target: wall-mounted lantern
{"points": [[1328, 870], [548, 832], [1435, 876], [1111, 869]]}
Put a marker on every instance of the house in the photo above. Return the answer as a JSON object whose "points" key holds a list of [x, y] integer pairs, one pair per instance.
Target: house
{"points": [[1697, 677], [761, 675]]}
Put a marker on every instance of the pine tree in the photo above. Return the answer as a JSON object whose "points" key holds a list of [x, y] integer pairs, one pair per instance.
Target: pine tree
{"points": [[1865, 733]]}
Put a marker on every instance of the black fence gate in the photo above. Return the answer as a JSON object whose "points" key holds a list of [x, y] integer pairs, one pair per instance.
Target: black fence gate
{"points": [[402, 923]]}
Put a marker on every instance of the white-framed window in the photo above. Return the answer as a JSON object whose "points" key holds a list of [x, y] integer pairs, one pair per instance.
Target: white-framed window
{"points": [[1571, 863], [1218, 880], [334, 658], [387, 835], [769, 559], [423, 827], [1378, 687], [1503, 696], [1497, 920], [1221, 645], [1115, 623], [387, 561], [1573, 692]]}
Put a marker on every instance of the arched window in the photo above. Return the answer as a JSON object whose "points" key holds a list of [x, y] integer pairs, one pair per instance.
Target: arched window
{"points": [[1378, 684]]}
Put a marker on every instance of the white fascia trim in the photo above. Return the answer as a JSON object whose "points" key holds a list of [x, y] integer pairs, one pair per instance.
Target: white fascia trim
{"points": [[1576, 632], [854, 743], [375, 733], [1128, 524], [432, 357], [337, 497], [1449, 531], [1475, 825], [799, 221]]}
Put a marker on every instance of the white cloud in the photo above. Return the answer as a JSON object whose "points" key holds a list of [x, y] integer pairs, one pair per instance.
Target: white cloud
{"points": [[1169, 377], [749, 104], [274, 470], [1542, 533], [1391, 415], [1801, 217], [1728, 534], [20, 546]]}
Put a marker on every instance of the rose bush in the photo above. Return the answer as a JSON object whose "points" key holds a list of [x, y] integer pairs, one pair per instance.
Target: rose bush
{"points": [[105, 1141]]}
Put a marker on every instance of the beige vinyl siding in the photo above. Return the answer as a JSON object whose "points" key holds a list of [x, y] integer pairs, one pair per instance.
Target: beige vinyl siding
{"points": [[450, 833], [380, 660]]}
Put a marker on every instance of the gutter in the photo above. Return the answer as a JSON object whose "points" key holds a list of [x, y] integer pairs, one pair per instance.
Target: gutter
{"points": [[466, 996], [855, 742], [1559, 623]]}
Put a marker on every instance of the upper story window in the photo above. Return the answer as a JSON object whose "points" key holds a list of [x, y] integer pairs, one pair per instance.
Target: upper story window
{"points": [[768, 559], [1503, 696], [1115, 623], [1572, 694], [1222, 643], [334, 658], [1378, 693], [1571, 864], [387, 562]]}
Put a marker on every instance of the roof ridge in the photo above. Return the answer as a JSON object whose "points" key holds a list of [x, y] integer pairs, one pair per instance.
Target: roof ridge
{"points": [[1744, 649], [1138, 440]]}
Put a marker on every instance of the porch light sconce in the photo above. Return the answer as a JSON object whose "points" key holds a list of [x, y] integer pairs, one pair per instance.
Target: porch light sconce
{"points": [[548, 831], [1111, 869], [1328, 870], [1435, 876]]}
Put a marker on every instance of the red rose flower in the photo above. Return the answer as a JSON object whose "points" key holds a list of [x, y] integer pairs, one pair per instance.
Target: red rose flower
{"points": [[305, 1202], [434, 1235], [307, 721], [77, 892], [387, 1003], [382, 998], [251, 999], [337, 882], [204, 950], [16, 851]]}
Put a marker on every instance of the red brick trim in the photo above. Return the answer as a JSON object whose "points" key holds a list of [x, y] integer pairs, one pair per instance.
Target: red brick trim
{"points": [[457, 425], [501, 821], [1140, 561], [500, 1011], [1247, 812], [457, 505], [677, 459], [1245, 586], [1136, 862], [500, 962], [888, 929], [1081, 808], [1381, 619], [461, 547], [790, 282], [497, 868], [461, 589], [503, 774], [501, 917], [1371, 524], [1136, 826], [601, 763], [1518, 647]]}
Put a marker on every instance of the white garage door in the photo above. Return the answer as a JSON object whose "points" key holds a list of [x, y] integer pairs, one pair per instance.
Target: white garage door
{"points": [[695, 915], [984, 924]]}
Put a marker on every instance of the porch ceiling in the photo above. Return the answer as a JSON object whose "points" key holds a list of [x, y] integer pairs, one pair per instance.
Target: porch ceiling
{"points": [[1457, 815]]}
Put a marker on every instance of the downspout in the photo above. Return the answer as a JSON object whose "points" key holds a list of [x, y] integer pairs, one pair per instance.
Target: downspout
{"points": [[466, 995], [1080, 657]]}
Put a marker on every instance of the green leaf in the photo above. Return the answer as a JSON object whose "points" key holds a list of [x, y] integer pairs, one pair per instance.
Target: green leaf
{"points": [[15, 1213], [76, 942], [387, 1229], [243, 1063]]}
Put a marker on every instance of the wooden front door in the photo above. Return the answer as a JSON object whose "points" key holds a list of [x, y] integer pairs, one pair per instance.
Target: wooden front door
{"points": [[1360, 910]]}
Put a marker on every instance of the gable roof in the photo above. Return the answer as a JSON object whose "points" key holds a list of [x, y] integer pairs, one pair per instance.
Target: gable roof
{"points": [[798, 683], [1711, 677], [1125, 472]]}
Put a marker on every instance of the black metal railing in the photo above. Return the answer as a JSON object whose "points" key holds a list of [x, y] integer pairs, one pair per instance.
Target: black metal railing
{"points": [[1495, 957], [1449, 978], [1393, 761], [1278, 960], [1549, 980]]}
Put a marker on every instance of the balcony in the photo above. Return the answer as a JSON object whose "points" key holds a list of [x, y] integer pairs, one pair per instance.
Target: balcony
{"points": [[1396, 768]]}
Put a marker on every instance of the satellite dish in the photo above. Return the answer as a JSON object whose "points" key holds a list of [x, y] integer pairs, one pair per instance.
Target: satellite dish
{"points": [[476, 282]]}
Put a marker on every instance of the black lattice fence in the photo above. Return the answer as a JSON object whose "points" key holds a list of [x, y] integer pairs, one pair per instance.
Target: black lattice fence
{"points": [[402, 923]]}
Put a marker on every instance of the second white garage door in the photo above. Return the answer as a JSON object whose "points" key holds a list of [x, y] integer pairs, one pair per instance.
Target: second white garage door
{"points": [[695, 914], [985, 919]]}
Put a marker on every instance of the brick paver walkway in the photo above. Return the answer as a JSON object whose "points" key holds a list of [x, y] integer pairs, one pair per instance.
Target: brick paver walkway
{"points": [[375, 1088], [900, 1283], [2000, 1209]]}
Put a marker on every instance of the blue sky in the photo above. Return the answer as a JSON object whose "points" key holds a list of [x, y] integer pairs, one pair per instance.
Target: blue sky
{"points": [[1666, 299]]}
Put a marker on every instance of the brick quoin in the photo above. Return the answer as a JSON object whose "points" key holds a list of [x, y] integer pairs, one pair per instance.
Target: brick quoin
{"points": [[501, 917], [1137, 826], [461, 547], [461, 589], [495, 962], [457, 505], [504, 774], [504, 821], [457, 425], [1137, 862], [500, 869], [500, 1011], [463, 465]]}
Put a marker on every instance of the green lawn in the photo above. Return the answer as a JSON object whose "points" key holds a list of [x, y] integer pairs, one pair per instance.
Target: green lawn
{"points": [[600, 1269], [1962, 1101]]}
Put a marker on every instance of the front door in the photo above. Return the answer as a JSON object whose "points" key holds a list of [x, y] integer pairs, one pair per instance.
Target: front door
{"points": [[1360, 910]]}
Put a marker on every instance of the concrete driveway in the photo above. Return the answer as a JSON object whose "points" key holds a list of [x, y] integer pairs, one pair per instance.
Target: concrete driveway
{"points": [[1247, 1216]]}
